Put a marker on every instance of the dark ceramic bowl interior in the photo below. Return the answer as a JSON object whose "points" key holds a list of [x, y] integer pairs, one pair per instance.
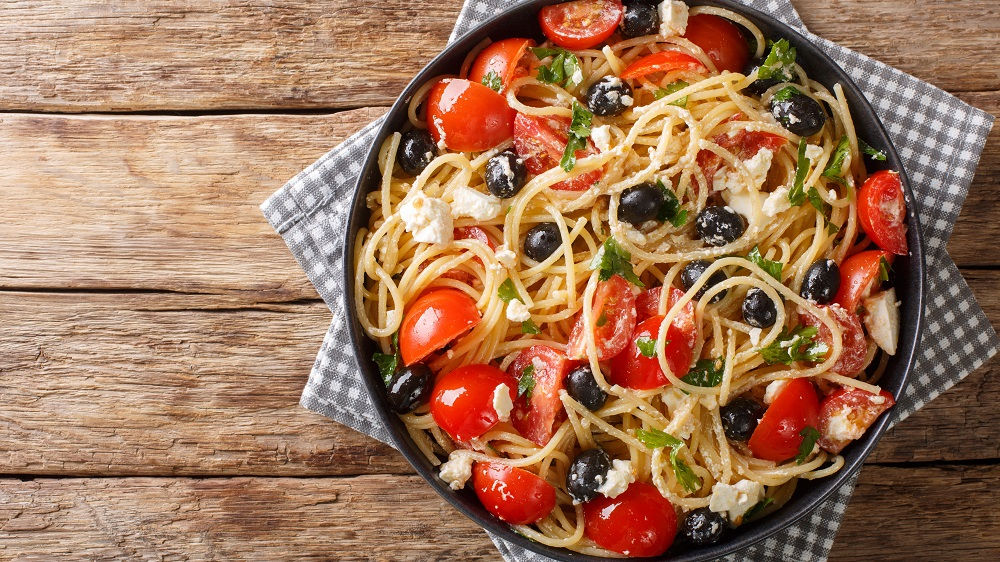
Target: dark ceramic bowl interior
{"points": [[521, 21]]}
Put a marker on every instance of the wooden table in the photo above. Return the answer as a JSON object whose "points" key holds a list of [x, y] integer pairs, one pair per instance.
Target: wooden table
{"points": [[156, 333]]}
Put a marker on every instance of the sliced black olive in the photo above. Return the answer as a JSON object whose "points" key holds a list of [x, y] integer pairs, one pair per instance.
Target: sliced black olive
{"points": [[719, 225], [703, 526], [740, 417], [694, 270], [542, 241], [587, 473], [640, 203], [505, 174], [584, 389], [797, 112], [609, 96], [410, 387], [759, 86], [759, 310], [641, 18], [821, 283], [416, 151]]}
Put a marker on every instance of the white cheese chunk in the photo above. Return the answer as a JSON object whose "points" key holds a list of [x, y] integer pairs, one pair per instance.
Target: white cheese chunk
{"points": [[776, 202], [840, 427], [813, 152], [735, 499], [617, 479], [506, 256], [427, 218], [882, 320], [744, 202], [601, 137], [755, 334], [772, 390], [467, 202], [758, 166], [517, 312], [457, 470], [502, 402], [673, 18]]}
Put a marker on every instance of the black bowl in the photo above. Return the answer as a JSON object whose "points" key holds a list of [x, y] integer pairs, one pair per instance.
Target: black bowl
{"points": [[521, 21]]}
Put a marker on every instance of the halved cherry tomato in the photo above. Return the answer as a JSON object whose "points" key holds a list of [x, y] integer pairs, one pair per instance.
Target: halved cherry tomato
{"points": [[846, 415], [541, 141], [581, 24], [777, 435], [502, 58], [434, 319], [853, 342], [466, 233], [882, 211], [536, 417], [858, 274], [613, 317], [462, 400], [647, 305], [720, 39], [632, 369], [664, 61], [513, 494], [744, 145], [468, 116], [639, 522]]}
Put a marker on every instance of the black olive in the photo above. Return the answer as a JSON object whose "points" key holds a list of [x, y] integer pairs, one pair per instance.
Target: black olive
{"points": [[587, 473], [740, 417], [797, 112], [640, 203], [542, 241], [641, 18], [759, 310], [584, 389], [821, 283], [609, 96], [703, 526], [506, 174], [410, 387], [719, 226], [760, 85], [694, 270], [416, 151]]}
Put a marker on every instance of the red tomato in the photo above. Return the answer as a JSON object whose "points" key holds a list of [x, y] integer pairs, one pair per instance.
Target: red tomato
{"points": [[468, 116], [854, 345], [882, 211], [462, 400], [581, 24], [434, 319], [777, 435], [846, 414], [744, 145], [664, 61], [639, 522], [647, 305], [512, 494], [858, 274], [502, 58], [541, 141], [720, 39], [632, 369], [467, 233], [537, 417], [613, 315]]}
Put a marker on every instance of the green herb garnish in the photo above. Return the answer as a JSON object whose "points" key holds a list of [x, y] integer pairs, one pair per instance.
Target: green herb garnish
{"points": [[602, 320], [564, 70], [757, 508], [526, 383], [799, 345], [773, 268], [835, 167], [579, 131], [779, 62], [529, 327], [671, 209], [797, 195], [507, 292], [883, 269], [786, 93], [647, 346], [670, 89], [818, 203], [388, 363], [809, 436], [656, 439], [611, 260], [706, 372], [871, 151], [493, 81]]}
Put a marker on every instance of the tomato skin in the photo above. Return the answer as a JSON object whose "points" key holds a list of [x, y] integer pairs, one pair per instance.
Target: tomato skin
{"points": [[503, 58], [537, 417], [744, 145], [639, 522], [434, 319], [632, 369], [855, 346], [614, 300], [860, 409], [541, 142], [882, 211], [664, 61], [858, 274], [720, 39], [647, 305], [462, 400], [777, 435], [581, 24], [469, 116], [513, 494]]}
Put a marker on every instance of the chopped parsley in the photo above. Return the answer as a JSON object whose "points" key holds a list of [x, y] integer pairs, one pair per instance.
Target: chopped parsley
{"points": [[493, 81], [706, 372], [818, 203], [835, 167], [786, 93], [757, 508], [579, 131], [779, 62], [671, 209], [670, 89], [388, 363], [612, 260], [602, 320], [647, 346], [809, 437], [773, 268], [883, 269], [529, 327], [871, 151], [799, 345], [656, 439], [797, 195], [564, 70], [507, 291], [526, 382]]}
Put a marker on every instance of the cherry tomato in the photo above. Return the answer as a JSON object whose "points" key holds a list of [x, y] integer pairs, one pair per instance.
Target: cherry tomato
{"points": [[537, 417], [664, 61], [581, 24], [858, 274], [639, 522], [462, 400], [541, 141], [513, 494], [777, 435], [468, 116], [720, 39], [647, 305], [502, 58], [632, 369], [882, 211], [613, 317], [854, 345], [846, 414], [434, 319], [744, 145]]}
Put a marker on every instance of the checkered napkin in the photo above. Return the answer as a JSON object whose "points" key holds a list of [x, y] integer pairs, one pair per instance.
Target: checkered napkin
{"points": [[939, 138]]}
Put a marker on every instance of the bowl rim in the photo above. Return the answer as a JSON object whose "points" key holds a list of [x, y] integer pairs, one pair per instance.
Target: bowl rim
{"points": [[761, 529]]}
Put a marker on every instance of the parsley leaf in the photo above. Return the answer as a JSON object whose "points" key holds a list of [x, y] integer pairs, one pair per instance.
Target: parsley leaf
{"points": [[799, 345], [507, 292], [832, 229], [809, 436], [873, 152], [564, 70], [883, 269], [387, 364], [785, 93], [778, 64], [797, 195], [579, 130], [835, 167], [671, 209], [773, 268], [706, 372], [655, 439], [670, 89], [526, 383], [493, 81], [757, 508], [647, 346], [818, 203], [611, 260], [529, 327], [602, 319]]}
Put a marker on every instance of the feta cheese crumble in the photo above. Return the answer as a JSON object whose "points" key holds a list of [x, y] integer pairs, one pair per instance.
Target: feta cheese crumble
{"points": [[673, 18], [427, 218], [457, 470], [735, 499], [776, 202], [813, 152], [517, 312], [618, 479], [502, 402], [601, 137], [772, 390], [467, 202], [882, 320], [506, 256], [841, 428]]}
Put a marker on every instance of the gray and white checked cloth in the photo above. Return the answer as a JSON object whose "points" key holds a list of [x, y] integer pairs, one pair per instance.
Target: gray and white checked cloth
{"points": [[939, 138]]}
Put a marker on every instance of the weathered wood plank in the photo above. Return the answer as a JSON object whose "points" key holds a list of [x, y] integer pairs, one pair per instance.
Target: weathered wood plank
{"points": [[978, 224]]}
